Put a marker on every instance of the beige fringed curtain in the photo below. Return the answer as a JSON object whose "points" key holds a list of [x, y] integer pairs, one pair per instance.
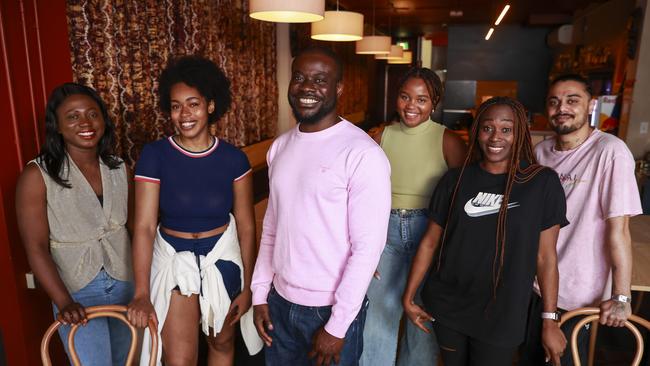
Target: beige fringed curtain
{"points": [[119, 47]]}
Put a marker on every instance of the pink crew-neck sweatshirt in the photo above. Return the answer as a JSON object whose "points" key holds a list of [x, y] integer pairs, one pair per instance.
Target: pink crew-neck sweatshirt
{"points": [[326, 222]]}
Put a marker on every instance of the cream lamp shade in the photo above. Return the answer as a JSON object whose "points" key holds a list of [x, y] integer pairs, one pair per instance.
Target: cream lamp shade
{"points": [[287, 11], [407, 58], [396, 53], [373, 45], [338, 26]]}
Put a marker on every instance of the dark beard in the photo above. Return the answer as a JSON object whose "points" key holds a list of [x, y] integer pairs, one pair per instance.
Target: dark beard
{"points": [[316, 117], [565, 130]]}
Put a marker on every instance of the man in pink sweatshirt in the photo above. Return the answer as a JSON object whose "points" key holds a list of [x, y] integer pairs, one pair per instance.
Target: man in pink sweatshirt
{"points": [[325, 226]]}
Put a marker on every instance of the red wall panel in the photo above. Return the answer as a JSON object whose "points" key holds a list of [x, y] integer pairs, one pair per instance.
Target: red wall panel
{"points": [[34, 58]]}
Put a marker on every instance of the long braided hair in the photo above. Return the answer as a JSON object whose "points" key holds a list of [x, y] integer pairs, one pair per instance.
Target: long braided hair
{"points": [[521, 152]]}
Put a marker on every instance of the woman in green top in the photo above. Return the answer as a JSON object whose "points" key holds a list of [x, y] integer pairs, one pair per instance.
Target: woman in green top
{"points": [[420, 151]]}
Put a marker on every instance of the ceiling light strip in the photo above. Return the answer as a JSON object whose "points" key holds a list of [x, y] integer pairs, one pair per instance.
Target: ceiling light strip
{"points": [[489, 34], [503, 14]]}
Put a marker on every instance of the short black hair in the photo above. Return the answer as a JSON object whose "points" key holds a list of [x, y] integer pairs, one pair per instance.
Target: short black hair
{"points": [[200, 73], [573, 77], [326, 52]]}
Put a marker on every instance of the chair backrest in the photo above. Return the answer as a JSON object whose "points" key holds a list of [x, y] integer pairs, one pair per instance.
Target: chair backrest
{"points": [[592, 314], [113, 311]]}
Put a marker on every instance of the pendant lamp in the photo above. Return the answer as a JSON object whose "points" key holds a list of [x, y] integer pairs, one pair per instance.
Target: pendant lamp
{"points": [[407, 58], [373, 45], [396, 53], [338, 26], [287, 11]]}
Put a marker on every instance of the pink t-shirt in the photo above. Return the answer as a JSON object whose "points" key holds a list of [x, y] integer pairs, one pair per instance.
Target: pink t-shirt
{"points": [[326, 222], [598, 179]]}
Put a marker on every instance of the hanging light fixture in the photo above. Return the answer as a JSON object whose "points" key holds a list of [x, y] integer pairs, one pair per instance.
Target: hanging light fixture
{"points": [[373, 45], [407, 58], [287, 11], [396, 53], [338, 26]]}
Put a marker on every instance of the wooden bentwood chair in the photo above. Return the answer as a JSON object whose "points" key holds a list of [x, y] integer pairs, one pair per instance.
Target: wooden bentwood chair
{"points": [[593, 315], [113, 311]]}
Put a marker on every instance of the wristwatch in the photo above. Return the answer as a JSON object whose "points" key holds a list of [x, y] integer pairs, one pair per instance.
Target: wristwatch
{"points": [[622, 298], [554, 315]]}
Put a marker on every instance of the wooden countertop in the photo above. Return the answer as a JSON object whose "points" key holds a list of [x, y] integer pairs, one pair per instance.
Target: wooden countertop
{"points": [[640, 232]]}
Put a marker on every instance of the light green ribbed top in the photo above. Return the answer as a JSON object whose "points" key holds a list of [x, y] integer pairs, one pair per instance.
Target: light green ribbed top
{"points": [[416, 160]]}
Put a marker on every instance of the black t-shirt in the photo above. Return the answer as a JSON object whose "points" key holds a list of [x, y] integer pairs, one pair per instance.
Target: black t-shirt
{"points": [[460, 294]]}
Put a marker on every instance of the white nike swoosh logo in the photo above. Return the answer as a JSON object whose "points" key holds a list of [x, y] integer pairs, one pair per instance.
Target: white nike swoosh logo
{"points": [[476, 211]]}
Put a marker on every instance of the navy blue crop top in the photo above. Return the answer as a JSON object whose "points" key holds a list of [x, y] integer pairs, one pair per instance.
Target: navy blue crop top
{"points": [[196, 188]]}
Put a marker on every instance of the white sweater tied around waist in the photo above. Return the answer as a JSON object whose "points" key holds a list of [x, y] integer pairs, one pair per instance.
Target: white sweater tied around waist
{"points": [[170, 269]]}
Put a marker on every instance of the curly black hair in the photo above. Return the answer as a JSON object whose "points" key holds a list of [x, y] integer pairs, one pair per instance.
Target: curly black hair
{"points": [[53, 154], [200, 73]]}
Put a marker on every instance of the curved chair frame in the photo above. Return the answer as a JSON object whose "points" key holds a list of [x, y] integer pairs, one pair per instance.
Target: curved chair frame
{"points": [[593, 315], [113, 311]]}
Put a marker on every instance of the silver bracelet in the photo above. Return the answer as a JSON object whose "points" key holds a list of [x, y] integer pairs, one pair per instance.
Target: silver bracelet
{"points": [[622, 298], [553, 315]]}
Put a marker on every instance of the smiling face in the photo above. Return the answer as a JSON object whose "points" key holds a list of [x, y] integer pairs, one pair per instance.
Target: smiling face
{"points": [[189, 111], [80, 122], [567, 107], [414, 104], [314, 88], [496, 137]]}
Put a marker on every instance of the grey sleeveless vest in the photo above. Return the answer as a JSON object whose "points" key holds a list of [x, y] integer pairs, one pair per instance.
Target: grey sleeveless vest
{"points": [[84, 236]]}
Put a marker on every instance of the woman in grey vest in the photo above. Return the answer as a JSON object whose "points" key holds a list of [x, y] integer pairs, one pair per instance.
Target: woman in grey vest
{"points": [[72, 204]]}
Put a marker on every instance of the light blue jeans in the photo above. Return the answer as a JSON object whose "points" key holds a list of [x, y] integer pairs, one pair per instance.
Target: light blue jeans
{"points": [[405, 229], [102, 341]]}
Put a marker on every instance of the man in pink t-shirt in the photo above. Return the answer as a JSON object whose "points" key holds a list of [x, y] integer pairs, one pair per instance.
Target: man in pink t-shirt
{"points": [[596, 170], [325, 226]]}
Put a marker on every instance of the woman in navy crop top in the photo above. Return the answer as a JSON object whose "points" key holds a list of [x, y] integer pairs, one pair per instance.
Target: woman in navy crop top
{"points": [[194, 181]]}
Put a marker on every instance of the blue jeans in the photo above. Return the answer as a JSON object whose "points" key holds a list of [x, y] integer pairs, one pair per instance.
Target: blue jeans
{"points": [[103, 341], [294, 326], [405, 229]]}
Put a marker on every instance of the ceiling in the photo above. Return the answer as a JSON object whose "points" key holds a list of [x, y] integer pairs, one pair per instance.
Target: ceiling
{"points": [[404, 18]]}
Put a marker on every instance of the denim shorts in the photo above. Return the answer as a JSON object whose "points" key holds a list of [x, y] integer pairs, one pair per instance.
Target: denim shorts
{"points": [[230, 271]]}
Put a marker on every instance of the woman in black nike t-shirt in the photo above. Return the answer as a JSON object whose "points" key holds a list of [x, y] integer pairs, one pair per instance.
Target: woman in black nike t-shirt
{"points": [[493, 225]]}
